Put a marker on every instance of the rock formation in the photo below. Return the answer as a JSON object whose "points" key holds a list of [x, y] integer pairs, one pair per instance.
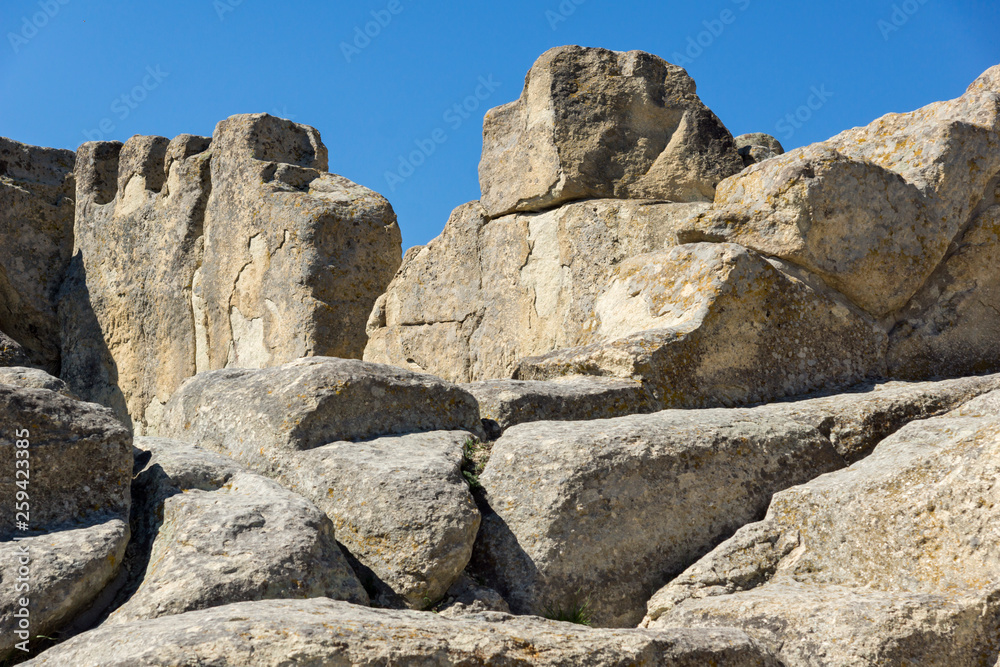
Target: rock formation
{"points": [[657, 376]]}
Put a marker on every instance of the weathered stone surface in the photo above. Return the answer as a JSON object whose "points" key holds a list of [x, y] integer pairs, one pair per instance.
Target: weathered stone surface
{"points": [[67, 571], [11, 352], [315, 632], [888, 561], [399, 504], [213, 534], [595, 123], [198, 254], [757, 147], [602, 513], [511, 402], [720, 325], [952, 326], [33, 378], [79, 461], [36, 227], [874, 209], [467, 596], [481, 296]]}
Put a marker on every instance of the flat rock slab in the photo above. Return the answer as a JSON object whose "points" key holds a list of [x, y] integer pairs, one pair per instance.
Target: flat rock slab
{"points": [[33, 378], [216, 534], [512, 402], [66, 572], [889, 561], [324, 632]]}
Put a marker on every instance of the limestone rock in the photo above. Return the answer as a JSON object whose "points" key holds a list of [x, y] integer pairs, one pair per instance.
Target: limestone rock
{"points": [[315, 632], [952, 326], [198, 254], [719, 325], [216, 535], [887, 561], [33, 378], [467, 597], [67, 572], [481, 296], [79, 459], [512, 402], [594, 123], [602, 513], [36, 227], [399, 504], [11, 352], [757, 147]]}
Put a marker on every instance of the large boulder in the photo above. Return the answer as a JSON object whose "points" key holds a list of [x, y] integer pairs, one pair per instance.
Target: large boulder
{"points": [[36, 228], [324, 632], [596, 123], [889, 561], [720, 325], [214, 534], [873, 210], [64, 485], [33, 378], [595, 512], [477, 299], [398, 503], [757, 147], [197, 254]]}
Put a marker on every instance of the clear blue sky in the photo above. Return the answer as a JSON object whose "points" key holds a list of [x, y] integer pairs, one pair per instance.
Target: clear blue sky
{"points": [[215, 58]]}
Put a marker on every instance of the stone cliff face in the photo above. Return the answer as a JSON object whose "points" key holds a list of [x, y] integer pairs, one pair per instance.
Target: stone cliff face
{"points": [[198, 254], [631, 282]]}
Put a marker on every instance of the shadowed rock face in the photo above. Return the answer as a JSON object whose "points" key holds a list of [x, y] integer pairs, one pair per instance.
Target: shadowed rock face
{"points": [[36, 227], [198, 254], [596, 123]]}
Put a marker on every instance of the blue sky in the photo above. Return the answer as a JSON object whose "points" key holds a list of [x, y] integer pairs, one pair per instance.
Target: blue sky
{"points": [[114, 68]]}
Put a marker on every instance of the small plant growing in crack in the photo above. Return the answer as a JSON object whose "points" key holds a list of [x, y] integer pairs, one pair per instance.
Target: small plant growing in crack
{"points": [[578, 613], [475, 455]]}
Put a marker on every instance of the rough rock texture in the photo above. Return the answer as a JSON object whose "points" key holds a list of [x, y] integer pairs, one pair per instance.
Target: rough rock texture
{"points": [[719, 325], [68, 570], [511, 402], [33, 378], [197, 254], [885, 562], [216, 535], [952, 326], [79, 459], [399, 504], [324, 632], [595, 123], [874, 209], [757, 147], [604, 512], [467, 596], [11, 352], [36, 230], [484, 294]]}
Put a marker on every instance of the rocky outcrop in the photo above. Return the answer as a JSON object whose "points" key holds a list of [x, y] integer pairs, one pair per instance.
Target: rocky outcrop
{"points": [[64, 487], [757, 147], [214, 534], [197, 254], [595, 123], [399, 504], [720, 325], [265, 634], [480, 297], [36, 227], [885, 560]]}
